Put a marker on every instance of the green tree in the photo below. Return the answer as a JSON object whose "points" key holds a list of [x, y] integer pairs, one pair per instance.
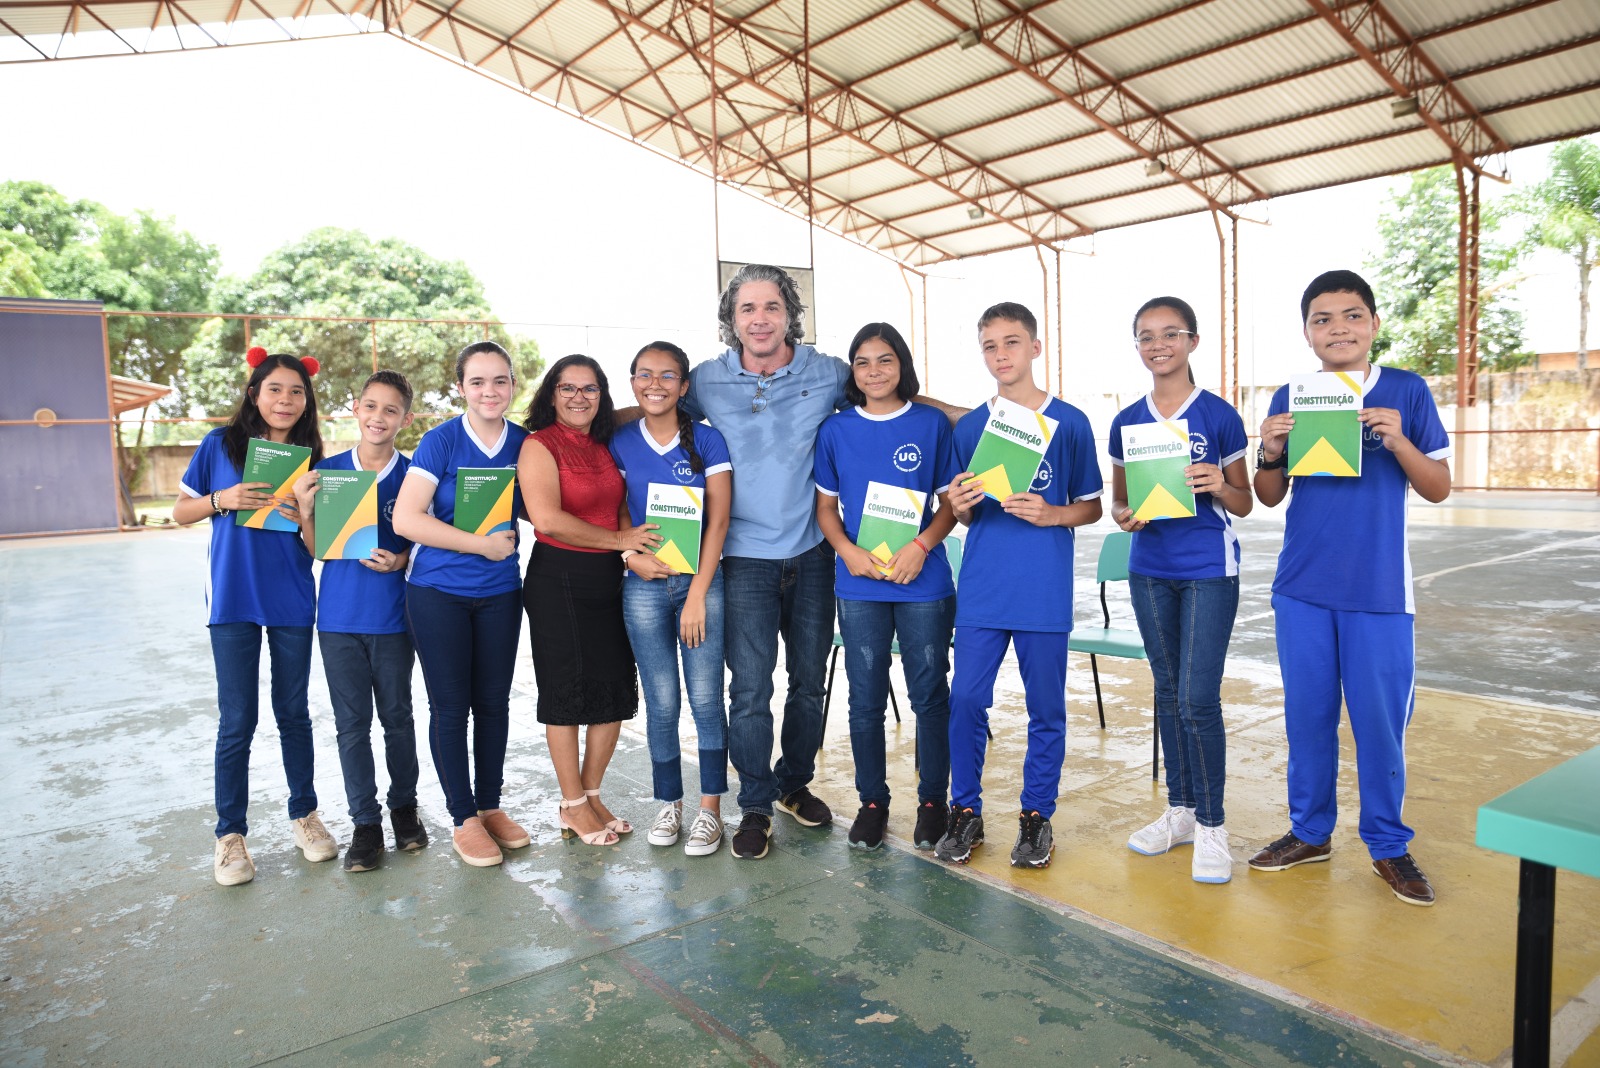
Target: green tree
{"points": [[330, 274], [1565, 216], [1415, 278]]}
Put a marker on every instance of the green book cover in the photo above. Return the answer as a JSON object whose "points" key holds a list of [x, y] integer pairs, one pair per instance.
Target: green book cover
{"points": [[890, 517], [346, 515], [484, 496], [1011, 448], [280, 466], [1153, 458], [678, 513], [1326, 439]]}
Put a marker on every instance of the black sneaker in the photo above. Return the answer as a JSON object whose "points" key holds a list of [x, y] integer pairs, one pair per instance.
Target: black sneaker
{"points": [[964, 833], [932, 819], [366, 848], [806, 808], [409, 833], [867, 831], [1036, 842], [750, 840]]}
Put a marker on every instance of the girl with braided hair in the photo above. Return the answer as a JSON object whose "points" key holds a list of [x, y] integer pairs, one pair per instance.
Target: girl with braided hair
{"points": [[669, 612]]}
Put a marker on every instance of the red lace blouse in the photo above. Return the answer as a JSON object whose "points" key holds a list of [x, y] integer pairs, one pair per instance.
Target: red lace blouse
{"points": [[591, 485]]}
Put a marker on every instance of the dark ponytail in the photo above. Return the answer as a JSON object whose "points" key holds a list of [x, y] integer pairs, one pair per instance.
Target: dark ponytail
{"points": [[697, 464]]}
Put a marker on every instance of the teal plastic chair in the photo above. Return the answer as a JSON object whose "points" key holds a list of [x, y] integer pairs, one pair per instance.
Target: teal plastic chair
{"points": [[1109, 640]]}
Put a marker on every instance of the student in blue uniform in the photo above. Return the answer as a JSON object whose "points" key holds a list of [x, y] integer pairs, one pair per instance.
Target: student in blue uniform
{"points": [[888, 441], [1342, 595], [1016, 590], [361, 630], [1183, 576], [671, 615], [260, 580], [463, 604]]}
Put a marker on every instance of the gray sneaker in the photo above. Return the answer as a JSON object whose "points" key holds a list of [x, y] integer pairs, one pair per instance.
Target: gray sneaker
{"points": [[705, 834], [965, 833], [1036, 842]]}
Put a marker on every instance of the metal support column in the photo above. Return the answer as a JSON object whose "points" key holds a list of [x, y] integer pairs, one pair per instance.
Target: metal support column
{"points": [[1467, 304]]}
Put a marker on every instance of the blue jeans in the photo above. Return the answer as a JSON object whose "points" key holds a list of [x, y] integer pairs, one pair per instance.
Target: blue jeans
{"points": [[467, 647], [1186, 625], [361, 669], [765, 599], [868, 629], [236, 650], [651, 610]]}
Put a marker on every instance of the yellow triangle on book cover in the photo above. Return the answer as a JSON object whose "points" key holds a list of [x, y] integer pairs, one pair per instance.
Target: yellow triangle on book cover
{"points": [[1161, 504], [673, 557], [995, 482], [1322, 459], [882, 552]]}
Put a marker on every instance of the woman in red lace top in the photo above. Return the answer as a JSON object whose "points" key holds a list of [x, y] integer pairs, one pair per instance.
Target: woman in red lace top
{"points": [[582, 662]]}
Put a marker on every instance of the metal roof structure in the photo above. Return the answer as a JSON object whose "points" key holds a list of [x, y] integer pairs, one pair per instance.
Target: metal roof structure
{"points": [[932, 130]]}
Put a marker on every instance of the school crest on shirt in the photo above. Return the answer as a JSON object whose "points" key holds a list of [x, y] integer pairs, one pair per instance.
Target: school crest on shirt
{"points": [[1199, 447], [1042, 480], [1370, 441], [682, 471], [388, 511], [908, 457]]}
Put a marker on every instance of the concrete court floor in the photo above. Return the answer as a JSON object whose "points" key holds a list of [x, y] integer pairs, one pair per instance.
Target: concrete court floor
{"points": [[117, 948]]}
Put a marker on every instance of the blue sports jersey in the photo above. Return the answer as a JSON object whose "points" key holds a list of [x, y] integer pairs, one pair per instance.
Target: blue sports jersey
{"points": [[1014, 575], [912, 447], [1203, 546], [256, 576], [442, 451], [353, 598], [1345, 546], [642, 461]]}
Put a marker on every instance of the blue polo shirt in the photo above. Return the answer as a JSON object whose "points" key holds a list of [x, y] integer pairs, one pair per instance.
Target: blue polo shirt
{"points": [[443, 451], [774, 514], [353, 598], [643, 461]]}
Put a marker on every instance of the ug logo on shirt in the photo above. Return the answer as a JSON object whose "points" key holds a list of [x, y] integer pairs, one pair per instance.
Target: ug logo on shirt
{"points": [[1042, 480], [908, 457], [388, 511], [682, 471], [1198, 447]]}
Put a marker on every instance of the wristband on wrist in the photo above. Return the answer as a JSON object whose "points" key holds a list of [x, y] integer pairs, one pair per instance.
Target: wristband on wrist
{"points": [[925, 550], [215, 507], [627, 553]]}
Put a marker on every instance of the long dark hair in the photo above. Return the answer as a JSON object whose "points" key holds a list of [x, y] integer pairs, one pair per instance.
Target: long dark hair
{"points": [[685, 424], [1185, 312], [542, 409], [909, 385], [247, 422]]}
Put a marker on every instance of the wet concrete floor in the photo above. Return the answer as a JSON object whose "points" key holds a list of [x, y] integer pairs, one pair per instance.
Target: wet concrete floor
{"points": [[117, 948]]}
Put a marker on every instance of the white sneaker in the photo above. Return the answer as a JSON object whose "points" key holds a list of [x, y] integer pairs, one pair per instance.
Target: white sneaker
{"points": [[1212, 863], [231, 863], [705, 836], [668, 822], [1174, 828], [313, 838]]}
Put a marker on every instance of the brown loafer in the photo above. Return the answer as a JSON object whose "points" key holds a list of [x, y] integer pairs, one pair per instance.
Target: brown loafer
{"points": [[1288, 851], [1405, 879]]}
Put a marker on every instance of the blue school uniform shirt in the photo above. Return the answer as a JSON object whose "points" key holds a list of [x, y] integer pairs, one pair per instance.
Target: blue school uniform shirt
{"points": [[444, 450], [642, 461], [1014, 575], [913, 448], [1204, 545], [353, 598], [1345, 546], [774, 513], [256, 576]]}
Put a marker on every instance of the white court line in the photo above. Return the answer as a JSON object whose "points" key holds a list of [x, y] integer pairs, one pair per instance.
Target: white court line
{"points": [[1577, 1020]]}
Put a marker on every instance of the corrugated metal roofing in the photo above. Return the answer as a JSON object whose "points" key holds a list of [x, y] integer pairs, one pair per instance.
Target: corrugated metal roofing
{"points": [[945, 128]]}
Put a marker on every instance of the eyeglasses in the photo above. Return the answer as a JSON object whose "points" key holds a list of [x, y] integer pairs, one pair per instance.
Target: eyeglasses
{"points": [[666, 378], [1148, 341], [567, 389], [758, 403]]}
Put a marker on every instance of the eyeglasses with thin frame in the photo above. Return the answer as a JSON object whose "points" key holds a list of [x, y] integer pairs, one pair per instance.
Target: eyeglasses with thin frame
{"points": [[1146, 341], [758, 403], [666, 378], [569, 389]]}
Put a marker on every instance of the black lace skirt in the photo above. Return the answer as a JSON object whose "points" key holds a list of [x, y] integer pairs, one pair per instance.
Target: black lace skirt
{"points": [[582, 661]]}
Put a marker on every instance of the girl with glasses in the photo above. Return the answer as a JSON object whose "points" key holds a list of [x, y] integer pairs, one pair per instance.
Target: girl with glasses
{"points": [[673, 609]]}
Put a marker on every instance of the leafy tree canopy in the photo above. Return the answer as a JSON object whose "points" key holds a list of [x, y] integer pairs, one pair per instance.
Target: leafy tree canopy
{"points": [[1564, 214]]}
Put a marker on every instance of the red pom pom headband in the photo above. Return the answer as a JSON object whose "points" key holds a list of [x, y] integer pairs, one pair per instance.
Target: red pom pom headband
{"points": [[256, 354]]}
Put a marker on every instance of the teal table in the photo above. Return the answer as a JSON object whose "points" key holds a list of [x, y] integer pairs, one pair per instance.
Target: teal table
{"points": [[1550, 822]]}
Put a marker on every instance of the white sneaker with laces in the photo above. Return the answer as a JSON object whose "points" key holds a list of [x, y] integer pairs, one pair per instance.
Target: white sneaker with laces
{"points": [[313, 838], [705, 836], [665, 830], [1174, 828], [1212, 863], [231, 863]]}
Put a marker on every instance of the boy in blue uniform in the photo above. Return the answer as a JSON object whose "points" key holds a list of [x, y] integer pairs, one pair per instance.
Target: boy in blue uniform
{"points": [[1016, 589], [1342, 594], [361, 630]]}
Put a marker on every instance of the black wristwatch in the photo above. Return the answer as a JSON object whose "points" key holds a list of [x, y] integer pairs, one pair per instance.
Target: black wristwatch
{"points": [[1264, 464]]}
